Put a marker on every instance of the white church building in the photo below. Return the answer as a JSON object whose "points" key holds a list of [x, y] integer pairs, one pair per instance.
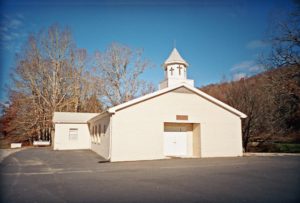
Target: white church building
{"points": [[178, 120]]}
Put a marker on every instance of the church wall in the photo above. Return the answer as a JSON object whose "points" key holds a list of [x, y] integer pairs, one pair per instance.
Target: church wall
{"points": [[80, 138], [138, 129], [100, 136]]}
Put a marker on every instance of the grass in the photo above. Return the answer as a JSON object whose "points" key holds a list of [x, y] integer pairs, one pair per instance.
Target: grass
{"points": [[288, 147], [280, 147]]}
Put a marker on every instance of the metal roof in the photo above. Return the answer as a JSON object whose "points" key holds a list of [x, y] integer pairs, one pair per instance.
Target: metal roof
{"points": [[175, 58]]}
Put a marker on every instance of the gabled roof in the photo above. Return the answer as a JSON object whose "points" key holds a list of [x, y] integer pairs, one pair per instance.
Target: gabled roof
{"points": [[175, 58], [72, 117], [165, 90]]}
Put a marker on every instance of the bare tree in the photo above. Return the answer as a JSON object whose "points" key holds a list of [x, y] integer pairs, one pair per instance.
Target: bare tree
{"points": [[283, 92], [50, 76], [119, 70], [244, 96], [283, 88], [285, 41]]}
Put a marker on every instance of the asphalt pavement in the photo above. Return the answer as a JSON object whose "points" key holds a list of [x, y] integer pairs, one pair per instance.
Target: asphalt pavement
{"points": [[44, 175]]}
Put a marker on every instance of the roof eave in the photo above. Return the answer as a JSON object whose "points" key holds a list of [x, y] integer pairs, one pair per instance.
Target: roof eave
{"points": [[159, 92], [68, 122], [101, 115], [175, 62]]}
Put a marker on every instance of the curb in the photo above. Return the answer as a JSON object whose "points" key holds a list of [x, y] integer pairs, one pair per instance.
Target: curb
{"points": [[270, 154]]}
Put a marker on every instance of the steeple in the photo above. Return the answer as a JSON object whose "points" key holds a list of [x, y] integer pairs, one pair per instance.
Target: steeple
{"points": [[175, 58], [175, 68]]}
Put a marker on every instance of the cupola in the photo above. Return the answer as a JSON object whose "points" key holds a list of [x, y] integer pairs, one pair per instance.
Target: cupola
{"points": [[175, 68]]}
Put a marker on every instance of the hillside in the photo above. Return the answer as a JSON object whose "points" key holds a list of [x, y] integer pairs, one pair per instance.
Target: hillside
{"points": [[272, 102]]}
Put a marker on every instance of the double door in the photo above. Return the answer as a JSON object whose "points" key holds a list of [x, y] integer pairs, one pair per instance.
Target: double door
{"points": [[175, 143]]}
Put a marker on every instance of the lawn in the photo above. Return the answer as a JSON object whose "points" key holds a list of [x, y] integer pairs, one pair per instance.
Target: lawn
{"points": [[288, 147]]}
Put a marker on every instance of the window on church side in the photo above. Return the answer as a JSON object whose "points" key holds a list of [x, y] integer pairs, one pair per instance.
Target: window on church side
{"points": [[104, 130], [99, 133], [96, 132], [92, 134]]}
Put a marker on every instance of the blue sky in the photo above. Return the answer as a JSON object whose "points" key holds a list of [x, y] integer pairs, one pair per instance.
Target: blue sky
{"points": [[217, 38]]}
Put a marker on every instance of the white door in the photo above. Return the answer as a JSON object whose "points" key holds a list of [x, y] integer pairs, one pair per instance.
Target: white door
{"points": [[175, 143]]}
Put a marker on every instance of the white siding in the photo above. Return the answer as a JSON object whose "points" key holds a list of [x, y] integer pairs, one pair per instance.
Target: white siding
{"points": [[138, 129], [221, 141], [102, 147], [62, 141]]}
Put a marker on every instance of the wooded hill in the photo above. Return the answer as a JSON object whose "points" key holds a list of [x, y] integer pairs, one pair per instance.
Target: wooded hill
{"points": [[271, 101]]}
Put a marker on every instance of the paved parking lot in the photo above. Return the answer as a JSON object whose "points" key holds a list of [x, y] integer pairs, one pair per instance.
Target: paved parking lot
{"points": [[43, 175]]}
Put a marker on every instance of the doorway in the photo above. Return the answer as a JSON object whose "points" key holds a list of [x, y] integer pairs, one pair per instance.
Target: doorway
{"points": [[181, 139], [175, 143]]}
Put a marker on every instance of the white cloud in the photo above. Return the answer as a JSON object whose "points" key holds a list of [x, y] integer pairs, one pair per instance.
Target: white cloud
{"points": [[20, 15], [255, 68], [238, 76], [11, 31], [15, 24], [255, 44], [245, 69], [7, 37], [3, 29], [247, 66], [241, 66]]}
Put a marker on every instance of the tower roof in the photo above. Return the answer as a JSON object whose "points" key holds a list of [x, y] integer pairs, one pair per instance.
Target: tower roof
{"points": [[175, 58]]}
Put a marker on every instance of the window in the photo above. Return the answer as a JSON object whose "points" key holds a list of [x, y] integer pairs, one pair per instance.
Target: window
{"points": [[73, 133], [104, 129], [99, 133], [92, 134], [96, 134]]}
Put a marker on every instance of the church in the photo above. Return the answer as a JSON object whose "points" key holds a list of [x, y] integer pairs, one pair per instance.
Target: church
{"points": [[178, 120]]}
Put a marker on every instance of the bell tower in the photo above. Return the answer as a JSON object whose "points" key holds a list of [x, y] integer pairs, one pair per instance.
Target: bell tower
{"points": [[175, 68]]}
